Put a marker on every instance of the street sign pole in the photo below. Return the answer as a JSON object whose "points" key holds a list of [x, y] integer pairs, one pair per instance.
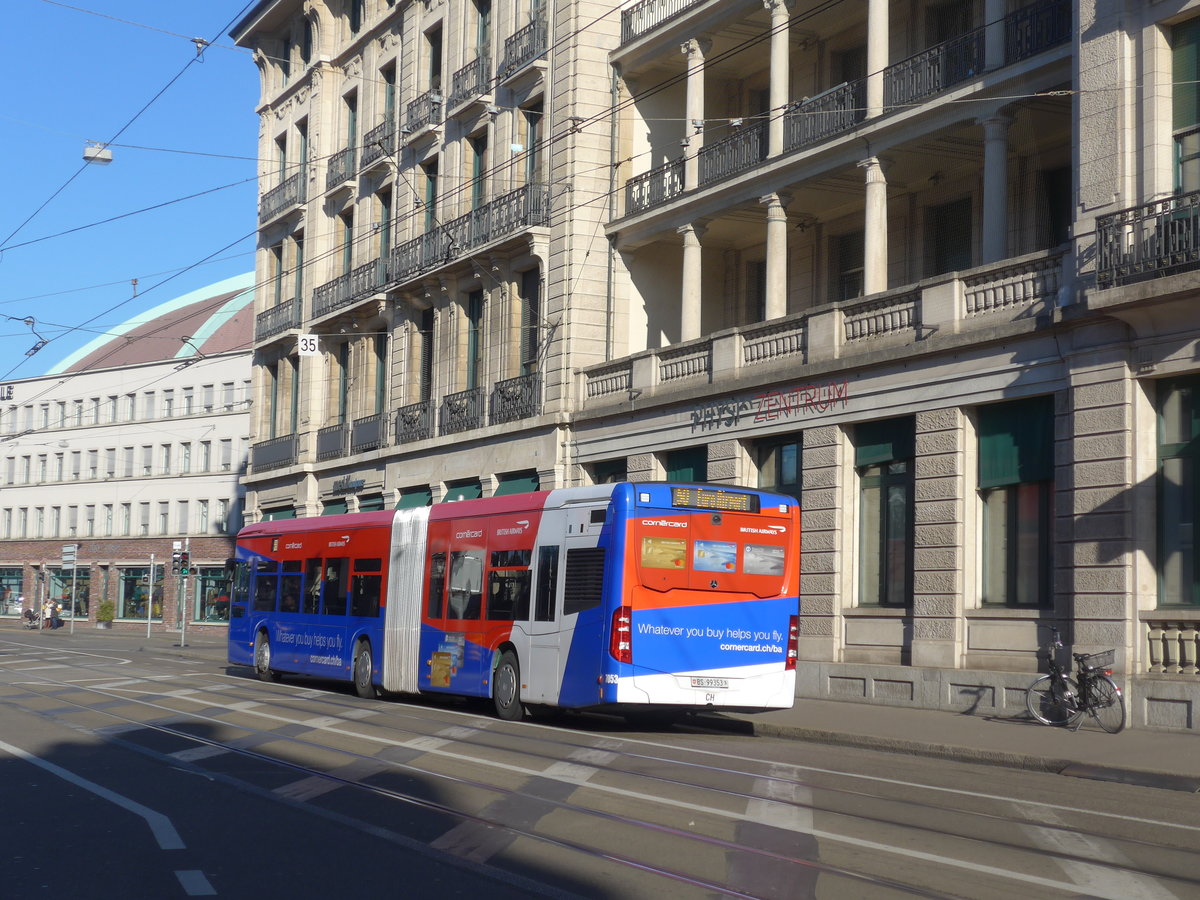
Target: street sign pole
{"points": [[183, 608], [150, 597], [74, 573]]}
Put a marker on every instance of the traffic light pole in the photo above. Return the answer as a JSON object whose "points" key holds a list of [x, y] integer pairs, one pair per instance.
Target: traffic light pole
{"points": [[183, 594]]}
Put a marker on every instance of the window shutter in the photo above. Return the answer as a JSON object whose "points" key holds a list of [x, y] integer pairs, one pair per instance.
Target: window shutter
{"points": [[1016, 442], [884, 441]]}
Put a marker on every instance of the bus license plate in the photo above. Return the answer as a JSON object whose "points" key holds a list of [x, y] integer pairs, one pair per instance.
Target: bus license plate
{"points": [[710, 682]]}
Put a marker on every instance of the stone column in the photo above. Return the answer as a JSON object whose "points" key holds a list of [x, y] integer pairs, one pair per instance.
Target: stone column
{"points": [[938, 542], [875, 228], [995, 187], [877, 54], [824, 517], [690, 301], [693, 112], [777, 251], [779, 88]]}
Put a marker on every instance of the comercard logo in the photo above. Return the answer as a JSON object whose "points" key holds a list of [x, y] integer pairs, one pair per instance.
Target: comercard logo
{"points": [[774, 530], [465, 535], [664, 523]]}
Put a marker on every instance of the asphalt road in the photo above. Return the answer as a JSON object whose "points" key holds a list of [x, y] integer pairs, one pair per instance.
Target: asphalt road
{"points": [[125, 774]]}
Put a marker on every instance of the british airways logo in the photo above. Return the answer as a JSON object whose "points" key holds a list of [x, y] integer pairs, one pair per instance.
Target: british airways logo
{"points": [[521, 526], [774, 530]]}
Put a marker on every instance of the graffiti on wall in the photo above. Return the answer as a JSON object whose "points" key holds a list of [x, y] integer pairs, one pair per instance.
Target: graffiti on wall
{"points": [[771, 406]]}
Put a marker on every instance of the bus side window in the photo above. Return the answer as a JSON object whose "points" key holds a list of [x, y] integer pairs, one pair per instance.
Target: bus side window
{"points": [[336, 585], [266, 585], [584, 580], [290, 587], [508, 588], [437, 585], [466, 584], [312, 579], [543, 610], [364, 594]]}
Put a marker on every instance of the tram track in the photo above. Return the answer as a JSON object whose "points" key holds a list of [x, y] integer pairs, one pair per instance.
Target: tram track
{"points": [[495, 741]]}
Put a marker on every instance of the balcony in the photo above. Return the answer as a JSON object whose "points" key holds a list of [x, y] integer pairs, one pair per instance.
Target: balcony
{"points": [[341, 167], [291, 192], [368, 433], [515, 398], [1036, 28], [654, 187], [644, 17], [471, 81], [742, 150], [277, 319], [934, 70], [1007, 292], [523, 47], [462, 411], [414, 422], [826, 115], [509, 213], [380, 141], [273, 454], [425, 110], [1147, 241], [347, 289], [332, 441]]}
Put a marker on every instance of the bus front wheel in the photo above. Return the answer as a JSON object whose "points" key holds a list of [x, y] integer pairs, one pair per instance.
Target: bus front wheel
{"points": [[364, 672], [262, 658], [506, 688]]}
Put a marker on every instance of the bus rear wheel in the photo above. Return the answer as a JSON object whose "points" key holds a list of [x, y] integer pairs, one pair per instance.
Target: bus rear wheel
{"points": [[506, 688], [364, 672], [262, 658]]}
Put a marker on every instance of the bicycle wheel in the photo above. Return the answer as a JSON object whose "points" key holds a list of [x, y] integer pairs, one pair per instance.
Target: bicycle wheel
{"points": [[1106, 703], [1051, 700]]}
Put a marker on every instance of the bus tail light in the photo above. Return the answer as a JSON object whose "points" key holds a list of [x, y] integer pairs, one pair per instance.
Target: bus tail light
{"points": [[793, 644], [620, 642]]}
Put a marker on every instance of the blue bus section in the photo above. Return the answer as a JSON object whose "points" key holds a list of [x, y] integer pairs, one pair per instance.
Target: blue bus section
{"points": [[687, 639], [452, 664]]}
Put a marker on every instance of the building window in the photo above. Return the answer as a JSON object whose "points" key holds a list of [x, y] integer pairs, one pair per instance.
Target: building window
{"points": [[185, 458], [126, 518], [425, 382], [1016, 486], [884, 460], [779, 464], [164, 517], [138, 594], [202, 517], [182, 512], [687, 465], [206, 456], [610, 471], [1178, 467], [11, 578], [1185, 104], [474, 339], [531, 319], [948, 237], [478, 175], [849, 251], [533, 144]]}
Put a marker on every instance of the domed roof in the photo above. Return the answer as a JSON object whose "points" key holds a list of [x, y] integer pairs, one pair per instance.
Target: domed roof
{"points": [[214, 319]]}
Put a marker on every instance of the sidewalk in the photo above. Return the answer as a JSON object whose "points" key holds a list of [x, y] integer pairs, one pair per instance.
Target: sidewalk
{"points": [[1160, 759]]}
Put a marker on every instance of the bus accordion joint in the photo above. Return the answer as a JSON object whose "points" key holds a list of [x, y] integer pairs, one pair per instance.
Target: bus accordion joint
{"points": [[620, 643], [793, 644]]}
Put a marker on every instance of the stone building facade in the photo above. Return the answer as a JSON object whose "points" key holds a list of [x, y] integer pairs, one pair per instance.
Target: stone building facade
{"points": [[927, 265]]}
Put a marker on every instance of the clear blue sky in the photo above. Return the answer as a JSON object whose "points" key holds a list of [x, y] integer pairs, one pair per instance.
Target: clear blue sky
{"points": [[79, 70]]}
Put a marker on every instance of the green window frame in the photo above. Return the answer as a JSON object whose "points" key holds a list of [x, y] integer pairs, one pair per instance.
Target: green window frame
{"points": [[687, 465], [883, 457], [1016, 488], [780, 464]]}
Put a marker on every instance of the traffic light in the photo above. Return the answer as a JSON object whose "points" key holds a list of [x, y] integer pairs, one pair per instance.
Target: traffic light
{"points": [[185, 563], [176, 560]]}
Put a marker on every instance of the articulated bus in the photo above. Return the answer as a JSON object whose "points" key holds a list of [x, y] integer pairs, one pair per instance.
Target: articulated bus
{"points": [[619, 597]]}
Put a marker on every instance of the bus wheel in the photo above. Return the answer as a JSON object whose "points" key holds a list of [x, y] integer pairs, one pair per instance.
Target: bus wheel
{"points": [[262, 658], [363, 672], [506, 688]]}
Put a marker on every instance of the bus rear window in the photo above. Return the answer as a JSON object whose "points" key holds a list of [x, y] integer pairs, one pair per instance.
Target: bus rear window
{"points": [[664, 553]]}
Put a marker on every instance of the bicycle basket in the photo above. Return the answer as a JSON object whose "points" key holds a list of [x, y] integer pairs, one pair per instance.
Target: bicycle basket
{"points": [[1100, 660]]}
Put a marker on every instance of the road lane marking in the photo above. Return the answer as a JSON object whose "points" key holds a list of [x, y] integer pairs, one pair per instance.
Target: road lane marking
{"points": [[194, 883], [160, 826]]}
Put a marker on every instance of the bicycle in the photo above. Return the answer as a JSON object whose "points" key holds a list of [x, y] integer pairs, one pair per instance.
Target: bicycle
{"points": [[1058, 699]]}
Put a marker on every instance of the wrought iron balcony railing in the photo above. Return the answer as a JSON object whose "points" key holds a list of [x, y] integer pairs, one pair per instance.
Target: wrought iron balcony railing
{"points": [[425, 110], [355, 285], [1159, 238], [378, 142], [368, 433], [649, 14], [515, 398], [277, 319], [830, 113], [274, 453], [523, 47], [414, 422], [472, 80], [934, 70], [462, 411], [742, 150], [1035, 28], [341, 167], [332, 441], [649, 189], [291, 192]]}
